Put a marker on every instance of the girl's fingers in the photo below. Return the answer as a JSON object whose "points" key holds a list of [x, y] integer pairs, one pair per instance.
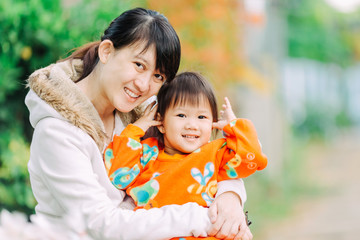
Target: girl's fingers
{"points": [[227, 102], [155, 123], [221, 114], [148, 107], [151, 108], [154, 105]]}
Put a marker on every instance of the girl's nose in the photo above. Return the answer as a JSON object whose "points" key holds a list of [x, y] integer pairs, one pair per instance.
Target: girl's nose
{"points": [[191, 125]]}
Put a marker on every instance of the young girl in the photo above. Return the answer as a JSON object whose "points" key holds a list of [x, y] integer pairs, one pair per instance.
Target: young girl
{"points": [[181, 165]]}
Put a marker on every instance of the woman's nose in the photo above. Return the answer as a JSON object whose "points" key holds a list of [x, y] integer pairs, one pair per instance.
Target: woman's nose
{"points": [[142, 83]]}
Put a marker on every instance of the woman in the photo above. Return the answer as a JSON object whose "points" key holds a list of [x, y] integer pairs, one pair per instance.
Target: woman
{"points": [[78, 104]]}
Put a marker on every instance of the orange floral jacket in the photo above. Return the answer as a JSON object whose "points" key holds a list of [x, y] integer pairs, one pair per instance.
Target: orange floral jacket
{"points": [[154, 179]]}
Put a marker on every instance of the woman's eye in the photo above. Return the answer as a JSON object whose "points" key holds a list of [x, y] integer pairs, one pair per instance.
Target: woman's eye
{"points": [[139, 65], [159, 77], [181, 115]]}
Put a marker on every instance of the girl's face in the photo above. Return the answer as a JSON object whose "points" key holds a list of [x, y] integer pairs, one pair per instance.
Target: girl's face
{"points": [[186, 127], [128, 76]]}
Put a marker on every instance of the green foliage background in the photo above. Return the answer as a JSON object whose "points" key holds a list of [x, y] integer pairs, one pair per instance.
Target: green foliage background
{"points": [[35, 34], [317, 31]]}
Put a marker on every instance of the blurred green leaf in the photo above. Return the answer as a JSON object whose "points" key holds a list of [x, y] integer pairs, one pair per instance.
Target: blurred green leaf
{"points": [[317, 31]]}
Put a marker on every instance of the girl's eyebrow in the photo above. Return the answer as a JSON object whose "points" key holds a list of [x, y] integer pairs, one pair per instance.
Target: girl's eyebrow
{"points": [[205, 111], [200, 111]]}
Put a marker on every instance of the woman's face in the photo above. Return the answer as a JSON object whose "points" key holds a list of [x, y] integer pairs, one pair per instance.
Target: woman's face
{"points": [[128, 76]]}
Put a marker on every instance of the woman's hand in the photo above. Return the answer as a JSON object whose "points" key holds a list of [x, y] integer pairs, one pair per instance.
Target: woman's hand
{"points": [[228, 218], [244, 234], [148, 118]]}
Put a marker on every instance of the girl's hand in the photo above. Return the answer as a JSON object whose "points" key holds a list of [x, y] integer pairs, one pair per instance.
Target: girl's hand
{"points": [[226, 115], [148, 119], [228, 218]]}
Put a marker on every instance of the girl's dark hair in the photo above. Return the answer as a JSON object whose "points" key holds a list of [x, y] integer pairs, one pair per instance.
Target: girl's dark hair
{"points": [[187, 87], [135, 26]]}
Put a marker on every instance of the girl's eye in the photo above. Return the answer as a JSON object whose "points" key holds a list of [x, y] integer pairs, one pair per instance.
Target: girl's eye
{"points": [[139, 65], [181, 115], [159, 77], [202, 117]]}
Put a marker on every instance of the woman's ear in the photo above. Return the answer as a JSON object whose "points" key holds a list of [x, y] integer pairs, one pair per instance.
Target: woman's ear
{"points": [[106, 47]]}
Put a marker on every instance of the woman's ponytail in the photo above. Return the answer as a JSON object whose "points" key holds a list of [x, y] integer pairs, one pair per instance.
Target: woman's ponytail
{"points": [[88, 53]]}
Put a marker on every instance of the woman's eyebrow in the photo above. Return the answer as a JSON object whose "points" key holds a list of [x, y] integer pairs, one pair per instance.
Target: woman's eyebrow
{"points": [[140, 56]]}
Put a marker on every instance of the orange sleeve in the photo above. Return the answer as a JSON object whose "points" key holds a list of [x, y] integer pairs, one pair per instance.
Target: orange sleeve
{"points": [[243, 155], [127, 158]]}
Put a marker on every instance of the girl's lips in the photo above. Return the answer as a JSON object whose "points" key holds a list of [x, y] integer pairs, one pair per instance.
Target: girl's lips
{"points": [[190, 136], [131, 93]]}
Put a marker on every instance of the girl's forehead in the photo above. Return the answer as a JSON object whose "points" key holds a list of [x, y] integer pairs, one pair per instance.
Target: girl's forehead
{"points": [[191, 101]]}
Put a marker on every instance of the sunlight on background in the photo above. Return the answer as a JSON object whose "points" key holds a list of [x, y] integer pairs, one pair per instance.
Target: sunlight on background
{"points": [[290, 66], [344, 5]]}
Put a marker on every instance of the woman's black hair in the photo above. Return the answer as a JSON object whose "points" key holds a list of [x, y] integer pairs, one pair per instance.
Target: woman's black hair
{"points": [[135, 26], [186, 88]]}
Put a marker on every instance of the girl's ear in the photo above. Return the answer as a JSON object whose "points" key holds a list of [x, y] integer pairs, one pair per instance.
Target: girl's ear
{"points": [[106, 47], [160, 127]]}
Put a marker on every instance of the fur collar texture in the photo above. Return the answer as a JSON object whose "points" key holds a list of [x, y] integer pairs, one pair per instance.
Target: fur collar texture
{"points": [[55, 85]]}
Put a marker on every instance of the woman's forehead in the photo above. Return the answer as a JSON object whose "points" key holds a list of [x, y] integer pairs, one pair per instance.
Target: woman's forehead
{"points": [[139, 51], [141, 48]]}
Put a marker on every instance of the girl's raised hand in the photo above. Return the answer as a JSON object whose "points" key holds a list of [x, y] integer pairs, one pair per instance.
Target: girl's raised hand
{"points": [[226, 115], [148, 119]]}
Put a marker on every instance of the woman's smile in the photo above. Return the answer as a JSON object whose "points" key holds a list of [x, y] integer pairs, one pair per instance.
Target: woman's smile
{"points": [[131, 93]]}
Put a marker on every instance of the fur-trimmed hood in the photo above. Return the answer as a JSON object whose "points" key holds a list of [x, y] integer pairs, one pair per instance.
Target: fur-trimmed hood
{"points": [[55, 86]]}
